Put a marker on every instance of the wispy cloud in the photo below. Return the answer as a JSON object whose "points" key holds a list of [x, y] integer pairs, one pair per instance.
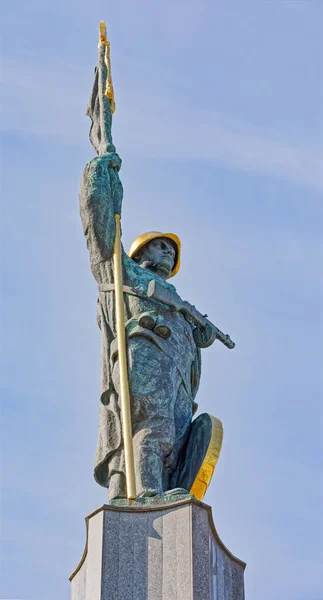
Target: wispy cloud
{"points": [[199, 135], [45, 102]]}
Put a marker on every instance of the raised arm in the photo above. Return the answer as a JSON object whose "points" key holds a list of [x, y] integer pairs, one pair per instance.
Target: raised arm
{"points": [[100, 199], [101, 189]]}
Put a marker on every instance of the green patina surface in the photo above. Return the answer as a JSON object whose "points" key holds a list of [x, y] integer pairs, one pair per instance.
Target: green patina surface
{"points": [[164, 374]]}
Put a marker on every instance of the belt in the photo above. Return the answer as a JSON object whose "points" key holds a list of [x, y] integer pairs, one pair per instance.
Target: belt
{"points": [[110, 287], [146, 321]]}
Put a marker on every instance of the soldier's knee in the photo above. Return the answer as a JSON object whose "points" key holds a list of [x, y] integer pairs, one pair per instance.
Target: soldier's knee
{"points": [[157, 434]]}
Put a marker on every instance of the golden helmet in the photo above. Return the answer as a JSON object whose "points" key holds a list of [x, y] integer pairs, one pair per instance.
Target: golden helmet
{"points": [[144, 238]]}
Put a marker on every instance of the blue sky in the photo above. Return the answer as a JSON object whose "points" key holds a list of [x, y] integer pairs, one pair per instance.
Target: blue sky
{"points": [[219, 126]]}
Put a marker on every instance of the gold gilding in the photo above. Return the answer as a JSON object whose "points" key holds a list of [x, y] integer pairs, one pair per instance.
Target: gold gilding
{"points": [[109, 92], [103, 32], [211, 458], [144, 238], [123, 367]]}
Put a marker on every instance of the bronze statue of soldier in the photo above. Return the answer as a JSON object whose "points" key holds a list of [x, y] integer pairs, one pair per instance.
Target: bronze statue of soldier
{"points": [[163, 334]]}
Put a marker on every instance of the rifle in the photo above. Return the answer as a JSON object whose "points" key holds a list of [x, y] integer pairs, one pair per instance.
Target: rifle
{"points": [[205, 333]]}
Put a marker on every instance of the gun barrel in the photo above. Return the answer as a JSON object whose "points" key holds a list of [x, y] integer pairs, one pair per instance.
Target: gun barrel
{"points": [[224, 338]]}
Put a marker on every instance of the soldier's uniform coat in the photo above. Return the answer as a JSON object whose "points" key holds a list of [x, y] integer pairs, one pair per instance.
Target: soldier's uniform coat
{"points": [[178, 355]]}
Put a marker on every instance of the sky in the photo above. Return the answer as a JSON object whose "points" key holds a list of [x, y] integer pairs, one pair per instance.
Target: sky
{"points": [[219, 125]]}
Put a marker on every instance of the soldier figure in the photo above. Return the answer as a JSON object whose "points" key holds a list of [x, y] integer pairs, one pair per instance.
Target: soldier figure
{"points": [[163, 358], [163, 334]]}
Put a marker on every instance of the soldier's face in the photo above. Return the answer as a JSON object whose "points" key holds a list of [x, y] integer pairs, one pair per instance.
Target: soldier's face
{"points": [[162, 253]]}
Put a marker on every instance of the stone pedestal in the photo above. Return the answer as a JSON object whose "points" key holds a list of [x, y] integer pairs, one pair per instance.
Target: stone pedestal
{"points": [[154, 551]]}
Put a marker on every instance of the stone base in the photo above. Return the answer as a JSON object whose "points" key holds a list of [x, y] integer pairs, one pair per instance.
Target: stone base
{"points": [[156, 552]]}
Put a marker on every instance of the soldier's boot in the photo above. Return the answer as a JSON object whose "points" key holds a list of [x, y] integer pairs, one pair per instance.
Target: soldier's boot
{"points": [[149, 459]]}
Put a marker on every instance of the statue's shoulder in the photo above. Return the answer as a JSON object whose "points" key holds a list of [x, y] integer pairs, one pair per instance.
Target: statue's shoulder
{"points": [[139, 278]]}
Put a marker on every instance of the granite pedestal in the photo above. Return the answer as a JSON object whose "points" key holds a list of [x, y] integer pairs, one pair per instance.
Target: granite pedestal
{"points": [[156, 551]]}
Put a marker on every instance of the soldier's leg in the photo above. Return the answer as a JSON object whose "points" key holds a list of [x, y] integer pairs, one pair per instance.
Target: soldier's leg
{"points": [[154, 452], [183, 413], [154, 382]]}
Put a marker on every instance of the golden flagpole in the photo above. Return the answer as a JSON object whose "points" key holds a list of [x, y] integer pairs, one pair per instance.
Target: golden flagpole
{"points": [[120, 321], [123, 366]]}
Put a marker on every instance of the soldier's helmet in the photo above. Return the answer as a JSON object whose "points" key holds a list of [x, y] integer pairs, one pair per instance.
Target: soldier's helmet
{"points": [[144, 238]]}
